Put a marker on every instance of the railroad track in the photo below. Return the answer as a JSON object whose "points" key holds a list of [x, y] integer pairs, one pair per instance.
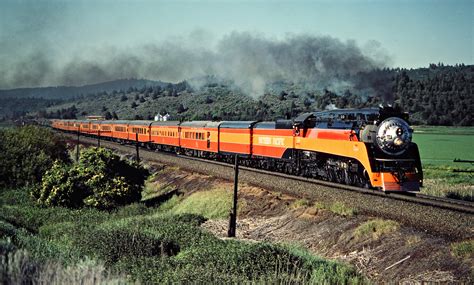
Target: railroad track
{"points": [[417, 198], [439, 202]]}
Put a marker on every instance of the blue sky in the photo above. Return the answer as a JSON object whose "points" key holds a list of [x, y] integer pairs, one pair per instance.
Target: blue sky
{"points": [[411, 33]]}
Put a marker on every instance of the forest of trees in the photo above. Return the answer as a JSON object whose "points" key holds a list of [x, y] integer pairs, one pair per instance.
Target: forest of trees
{"points": [[437, 95]]}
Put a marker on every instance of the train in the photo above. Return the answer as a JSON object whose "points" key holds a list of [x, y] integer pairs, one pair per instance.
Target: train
{"points": [[370, 147]]}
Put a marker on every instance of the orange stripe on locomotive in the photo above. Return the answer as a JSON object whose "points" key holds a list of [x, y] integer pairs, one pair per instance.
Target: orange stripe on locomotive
{"points": [[235, 137], [268, 141]]}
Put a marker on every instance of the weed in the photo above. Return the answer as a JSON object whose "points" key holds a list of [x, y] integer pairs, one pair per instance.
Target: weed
{"points": [[413, 239], [375, 228], [337, 208], [169, 204], [19, 267], [464, 249], [445, 187], [300, 203]]}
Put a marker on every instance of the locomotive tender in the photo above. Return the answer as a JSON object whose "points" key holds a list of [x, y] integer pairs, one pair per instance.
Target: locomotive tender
{"points": [[363, 147]]}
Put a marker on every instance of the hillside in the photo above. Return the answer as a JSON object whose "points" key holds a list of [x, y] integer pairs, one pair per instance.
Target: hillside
{"points": [[438, 95], [71, 92]]}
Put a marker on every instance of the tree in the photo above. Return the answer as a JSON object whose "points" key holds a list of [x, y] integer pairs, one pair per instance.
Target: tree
{"points": [[123, 98], [181, 109], [134, 105], [108, 115], [114, 116], [26, 153], [100, 179]]}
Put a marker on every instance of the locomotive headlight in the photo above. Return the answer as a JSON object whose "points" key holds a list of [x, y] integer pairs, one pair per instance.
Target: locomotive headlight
{"points": [[393, 136], [397, 142]]}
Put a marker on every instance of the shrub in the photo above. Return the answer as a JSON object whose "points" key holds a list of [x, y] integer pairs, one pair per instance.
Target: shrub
{"points": [[100, 179], [224, 262], [16, 196], [113, 244], [6, 229], [62, 185], [26, 153]]}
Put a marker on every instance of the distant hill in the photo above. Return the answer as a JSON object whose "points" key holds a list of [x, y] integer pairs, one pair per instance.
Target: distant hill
{"points": [[436, 95], [71, 92]]}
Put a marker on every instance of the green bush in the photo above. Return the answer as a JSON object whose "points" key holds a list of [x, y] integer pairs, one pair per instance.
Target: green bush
{"points": [[62, 185], [101, 179], [16, 196], [113, 244], [26, 153], [6, 229]]}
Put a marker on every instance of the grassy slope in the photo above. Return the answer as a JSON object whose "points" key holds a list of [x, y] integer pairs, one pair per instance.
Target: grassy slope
{"points": [[153, 245]]}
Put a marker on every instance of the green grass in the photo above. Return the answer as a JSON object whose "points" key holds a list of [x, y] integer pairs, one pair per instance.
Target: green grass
{"points": [[17, 266], [300, 203], [376, 228], [154, 188], [337, 208], [464, 249], [151, 245], [439, 146], [212, 204]]}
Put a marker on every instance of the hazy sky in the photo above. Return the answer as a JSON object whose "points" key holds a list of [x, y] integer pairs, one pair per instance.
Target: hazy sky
{"points": [[409, 33]]}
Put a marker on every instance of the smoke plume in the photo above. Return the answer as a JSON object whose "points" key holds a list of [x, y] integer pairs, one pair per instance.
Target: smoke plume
{"points": [[250, 60]]}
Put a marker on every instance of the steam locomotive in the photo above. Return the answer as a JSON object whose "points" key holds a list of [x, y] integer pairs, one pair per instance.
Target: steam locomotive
{"points": [[370, 147]]}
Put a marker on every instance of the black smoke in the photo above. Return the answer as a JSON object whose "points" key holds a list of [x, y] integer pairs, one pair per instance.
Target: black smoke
{"points": [[250, 60]]}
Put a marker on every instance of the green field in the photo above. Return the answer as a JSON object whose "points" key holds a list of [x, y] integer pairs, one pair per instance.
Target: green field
{"points": [[439, 146]]}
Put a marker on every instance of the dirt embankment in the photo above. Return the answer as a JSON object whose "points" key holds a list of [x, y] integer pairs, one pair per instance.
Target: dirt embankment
{"points": [[383, 253]]}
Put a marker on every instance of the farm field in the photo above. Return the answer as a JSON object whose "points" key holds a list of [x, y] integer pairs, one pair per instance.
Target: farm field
{"points": [[439, 146]]}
